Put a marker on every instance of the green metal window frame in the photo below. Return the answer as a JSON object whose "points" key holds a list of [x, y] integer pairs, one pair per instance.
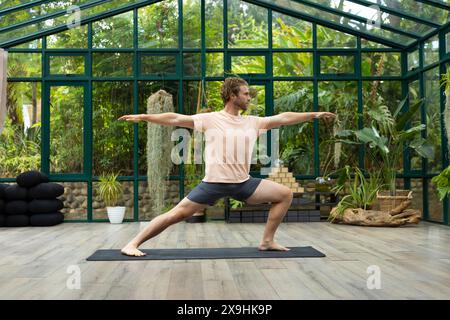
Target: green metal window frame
{"points": [[47, 69], [267, 80]]}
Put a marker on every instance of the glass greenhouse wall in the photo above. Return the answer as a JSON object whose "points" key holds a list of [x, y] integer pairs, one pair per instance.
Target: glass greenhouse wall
{"points": [[68, 86]]}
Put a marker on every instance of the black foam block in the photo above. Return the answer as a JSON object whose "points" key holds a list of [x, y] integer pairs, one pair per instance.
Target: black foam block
{"points": [[15, 192], [46, 219], [30, 179], [48, 190], [2, 206], [2, 220], [16, 207], [45, 206], [2, 190], [17, 221]]}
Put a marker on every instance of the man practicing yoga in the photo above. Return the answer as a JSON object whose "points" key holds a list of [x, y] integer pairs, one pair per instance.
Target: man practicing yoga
{"points": [[225, 175]]}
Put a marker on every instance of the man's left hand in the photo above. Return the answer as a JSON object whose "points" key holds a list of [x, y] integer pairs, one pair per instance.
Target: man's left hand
{"points": [[326, 115]]}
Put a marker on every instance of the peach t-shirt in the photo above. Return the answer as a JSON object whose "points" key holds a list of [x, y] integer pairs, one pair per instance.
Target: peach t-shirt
{"points": [[229, 142]]}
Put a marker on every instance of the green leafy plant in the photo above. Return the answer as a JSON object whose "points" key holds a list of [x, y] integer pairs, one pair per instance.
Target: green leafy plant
{"points": [[110, 189], [442, 182], [388, 139], [360, 192], [236, 203]]}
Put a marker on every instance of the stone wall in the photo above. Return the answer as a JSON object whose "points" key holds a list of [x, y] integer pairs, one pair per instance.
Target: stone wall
{"points": [[75, 200]]}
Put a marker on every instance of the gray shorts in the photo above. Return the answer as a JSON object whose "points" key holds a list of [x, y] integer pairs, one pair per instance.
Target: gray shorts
{"points": [[210, 192]]}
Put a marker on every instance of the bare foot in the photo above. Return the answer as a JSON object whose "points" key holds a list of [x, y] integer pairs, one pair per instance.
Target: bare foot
{"points": [[271, 246], [130, 250]]}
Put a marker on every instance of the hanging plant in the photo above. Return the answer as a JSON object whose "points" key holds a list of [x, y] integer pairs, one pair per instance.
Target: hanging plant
{"points": [[159, 146]]}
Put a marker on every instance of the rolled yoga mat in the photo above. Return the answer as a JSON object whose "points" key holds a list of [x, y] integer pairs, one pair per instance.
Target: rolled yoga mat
{"points": [[207, 253]]}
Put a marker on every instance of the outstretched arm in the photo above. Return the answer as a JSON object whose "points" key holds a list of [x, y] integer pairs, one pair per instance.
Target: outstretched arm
{"points": [[288, 118], [167, 118]]}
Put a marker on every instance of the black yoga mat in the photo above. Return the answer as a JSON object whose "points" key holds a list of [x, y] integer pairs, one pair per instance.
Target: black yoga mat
{"points": [[207, 253]]}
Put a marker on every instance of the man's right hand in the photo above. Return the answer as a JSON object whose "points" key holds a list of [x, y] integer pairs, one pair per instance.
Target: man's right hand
{"points": [[131, 117]]}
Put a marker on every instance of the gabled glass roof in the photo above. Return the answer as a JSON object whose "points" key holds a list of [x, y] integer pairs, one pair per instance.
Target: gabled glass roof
{"points": [[395, 23]]}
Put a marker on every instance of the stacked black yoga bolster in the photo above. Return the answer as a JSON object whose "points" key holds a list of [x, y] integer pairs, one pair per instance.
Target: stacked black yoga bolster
{"points": [[32, 201]]}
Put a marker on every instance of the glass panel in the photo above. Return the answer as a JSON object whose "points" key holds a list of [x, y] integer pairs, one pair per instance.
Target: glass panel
{"points": [[24, 65], [433, 113], [375, 95], [417, 199], [290, 32], [172, 197], [191, 24], [296, 141], [51, 24], [213, 98], [414, 96], [73, 38], [354, 25], [67, 65], [380, 64], [192, 99], [112, 64], [158, 25], [75, 200], [417, 9], [114, 32], [20, 140], [146, 90], [334, 64], [35, 44], [247, 25], [340, 97], [38, 11], [248, 64], [11, 3], [214, 64], [192, 104], [431, 50], [371, 44], [372, 14], [329, 38], [214, 23], [158, 64], [381, 92], [127, 200], [192, 64], [413, 60], [66, 129], [296, 64], [435, 206], [257, 105], [112, 139], [447, 42]]}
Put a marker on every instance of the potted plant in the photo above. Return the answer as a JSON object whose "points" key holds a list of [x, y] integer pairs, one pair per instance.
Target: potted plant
{"points": [[388, 138], [359, 191], [110, 190]]}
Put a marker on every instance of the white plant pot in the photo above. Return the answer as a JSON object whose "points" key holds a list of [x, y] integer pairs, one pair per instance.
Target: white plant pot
{"points": [[115, 214]]}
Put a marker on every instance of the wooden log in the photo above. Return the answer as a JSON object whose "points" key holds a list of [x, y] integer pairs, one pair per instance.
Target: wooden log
{"points": [[374, 218]]}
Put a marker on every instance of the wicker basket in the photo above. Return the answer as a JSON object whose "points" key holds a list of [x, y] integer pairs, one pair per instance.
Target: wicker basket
{"points": [[388, 202]]}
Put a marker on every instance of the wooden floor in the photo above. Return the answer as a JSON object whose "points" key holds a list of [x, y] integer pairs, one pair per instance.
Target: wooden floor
{"points": [[414, 263]]}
